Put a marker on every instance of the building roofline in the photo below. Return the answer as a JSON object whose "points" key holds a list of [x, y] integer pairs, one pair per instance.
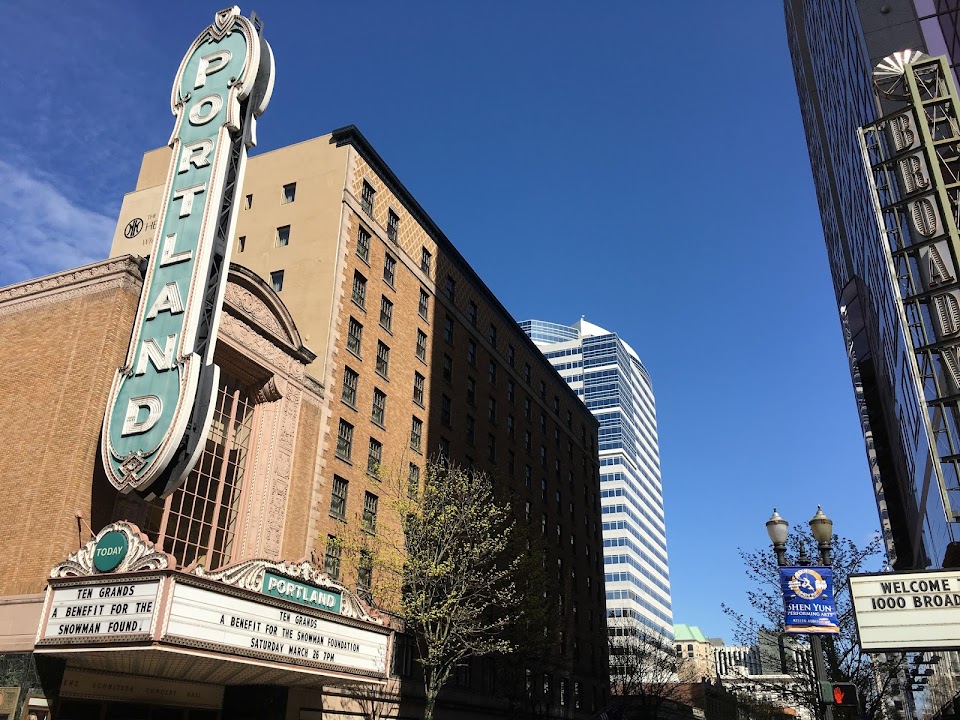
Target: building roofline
{"points": [[351, 135]]}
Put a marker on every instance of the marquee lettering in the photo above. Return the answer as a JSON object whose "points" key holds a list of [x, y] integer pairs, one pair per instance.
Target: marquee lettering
{"points": [[902, 131], [168, 300], [946, 314], [152, 404], [914, 173], [197, 115], [168, 256], [150, 352], [924, 217], [210, 64], [950, 357], [938, 270], [186, 195], [197, 153]]}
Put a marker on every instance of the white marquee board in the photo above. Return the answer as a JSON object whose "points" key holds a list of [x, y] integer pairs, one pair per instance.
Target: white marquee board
{"points": [[220, 620], [907, 611], [102, 610]]}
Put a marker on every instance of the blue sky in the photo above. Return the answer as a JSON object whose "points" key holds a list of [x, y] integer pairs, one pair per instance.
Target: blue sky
{"points": [[638, 163]]}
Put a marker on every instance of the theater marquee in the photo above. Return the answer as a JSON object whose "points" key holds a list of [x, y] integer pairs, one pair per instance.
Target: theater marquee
{"points": [[286, 614], [907, 611]]}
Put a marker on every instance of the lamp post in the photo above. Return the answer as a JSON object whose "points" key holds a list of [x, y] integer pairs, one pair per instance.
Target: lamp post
{"points": [[822, 528]]}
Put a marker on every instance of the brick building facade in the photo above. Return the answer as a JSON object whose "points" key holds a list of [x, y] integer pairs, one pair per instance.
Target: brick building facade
{"points": [[410, 358]]}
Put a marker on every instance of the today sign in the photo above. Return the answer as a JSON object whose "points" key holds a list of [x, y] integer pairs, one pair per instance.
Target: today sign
{"points": [[161, 400], [110, 551]]}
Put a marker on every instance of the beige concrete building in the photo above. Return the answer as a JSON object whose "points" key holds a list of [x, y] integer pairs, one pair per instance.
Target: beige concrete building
{"points": [[355, 345]]}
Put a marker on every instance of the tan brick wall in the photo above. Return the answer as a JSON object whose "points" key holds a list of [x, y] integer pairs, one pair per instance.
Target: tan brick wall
{"points": [[570, 450], [62, 339], [295, 542], [398, 386]]}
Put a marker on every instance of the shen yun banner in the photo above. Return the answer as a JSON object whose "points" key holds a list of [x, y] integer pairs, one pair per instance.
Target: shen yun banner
{"points": [[808, 600]]}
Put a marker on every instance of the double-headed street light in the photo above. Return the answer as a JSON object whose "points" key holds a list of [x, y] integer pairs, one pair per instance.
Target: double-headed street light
{"points": [[822, 528]]}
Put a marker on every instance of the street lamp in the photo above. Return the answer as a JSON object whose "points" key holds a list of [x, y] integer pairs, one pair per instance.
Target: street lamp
{"points": [[822, 528]]}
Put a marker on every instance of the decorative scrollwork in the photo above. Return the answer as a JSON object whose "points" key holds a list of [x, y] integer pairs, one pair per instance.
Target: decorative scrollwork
{"points": [[142, 555], [249, 576]]}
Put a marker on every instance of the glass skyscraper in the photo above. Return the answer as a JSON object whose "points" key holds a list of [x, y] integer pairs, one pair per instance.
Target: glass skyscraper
{"points": [[610, 379], [834, 46]]}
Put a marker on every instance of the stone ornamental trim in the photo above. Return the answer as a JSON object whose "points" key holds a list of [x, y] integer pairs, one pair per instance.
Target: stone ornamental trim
{"points": [[142, 555], [248, 575]]}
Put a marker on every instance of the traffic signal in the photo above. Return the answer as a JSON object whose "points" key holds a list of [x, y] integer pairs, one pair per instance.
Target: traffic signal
{"points": [[845, 695]]}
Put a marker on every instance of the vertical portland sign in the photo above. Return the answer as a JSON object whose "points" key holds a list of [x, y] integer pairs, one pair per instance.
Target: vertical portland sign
{"points": [[162, 399]]}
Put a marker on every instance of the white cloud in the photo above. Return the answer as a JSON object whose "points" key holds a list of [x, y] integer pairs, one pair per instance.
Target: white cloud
{"points": [[41, 230]]}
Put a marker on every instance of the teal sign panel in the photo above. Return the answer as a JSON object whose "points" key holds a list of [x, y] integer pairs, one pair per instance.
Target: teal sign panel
{"points": [[161, 400], [110, 551], [309, 595]]}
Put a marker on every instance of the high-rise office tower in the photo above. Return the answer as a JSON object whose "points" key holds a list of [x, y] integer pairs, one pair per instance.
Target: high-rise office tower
{"points": [[835, 46], [610, 379]]}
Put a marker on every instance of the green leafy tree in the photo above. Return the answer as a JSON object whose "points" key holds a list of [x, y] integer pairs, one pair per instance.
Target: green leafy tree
{"points": [[877, 676], [440, 563], [458, 587]]}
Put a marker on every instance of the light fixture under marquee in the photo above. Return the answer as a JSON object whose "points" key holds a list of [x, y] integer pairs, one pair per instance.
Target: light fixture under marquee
{"points": [[161, 401]]}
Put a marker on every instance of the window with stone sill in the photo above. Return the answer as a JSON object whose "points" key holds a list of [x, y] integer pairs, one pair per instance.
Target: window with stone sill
{"points": [[349, 391], [338, 497], [363, 245], [386, 313], [359, 290], [448, 328], [424, 307], [416, 434], [354, 336], [421, 345], [331, 557], [374, 457], [367, 198], [419, 383], [344, 440], [365, 573], [383, 359], [447, 369], [446, 406], [370, 503], [379, 411], [393, 227], [389, 269]]}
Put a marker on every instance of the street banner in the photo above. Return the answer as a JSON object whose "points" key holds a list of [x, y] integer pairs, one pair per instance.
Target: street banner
{"points": [[808, 600]]}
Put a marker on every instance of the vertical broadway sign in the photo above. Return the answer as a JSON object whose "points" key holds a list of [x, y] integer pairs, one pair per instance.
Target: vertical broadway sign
{"points": [[915, 179], [161, 401]]}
